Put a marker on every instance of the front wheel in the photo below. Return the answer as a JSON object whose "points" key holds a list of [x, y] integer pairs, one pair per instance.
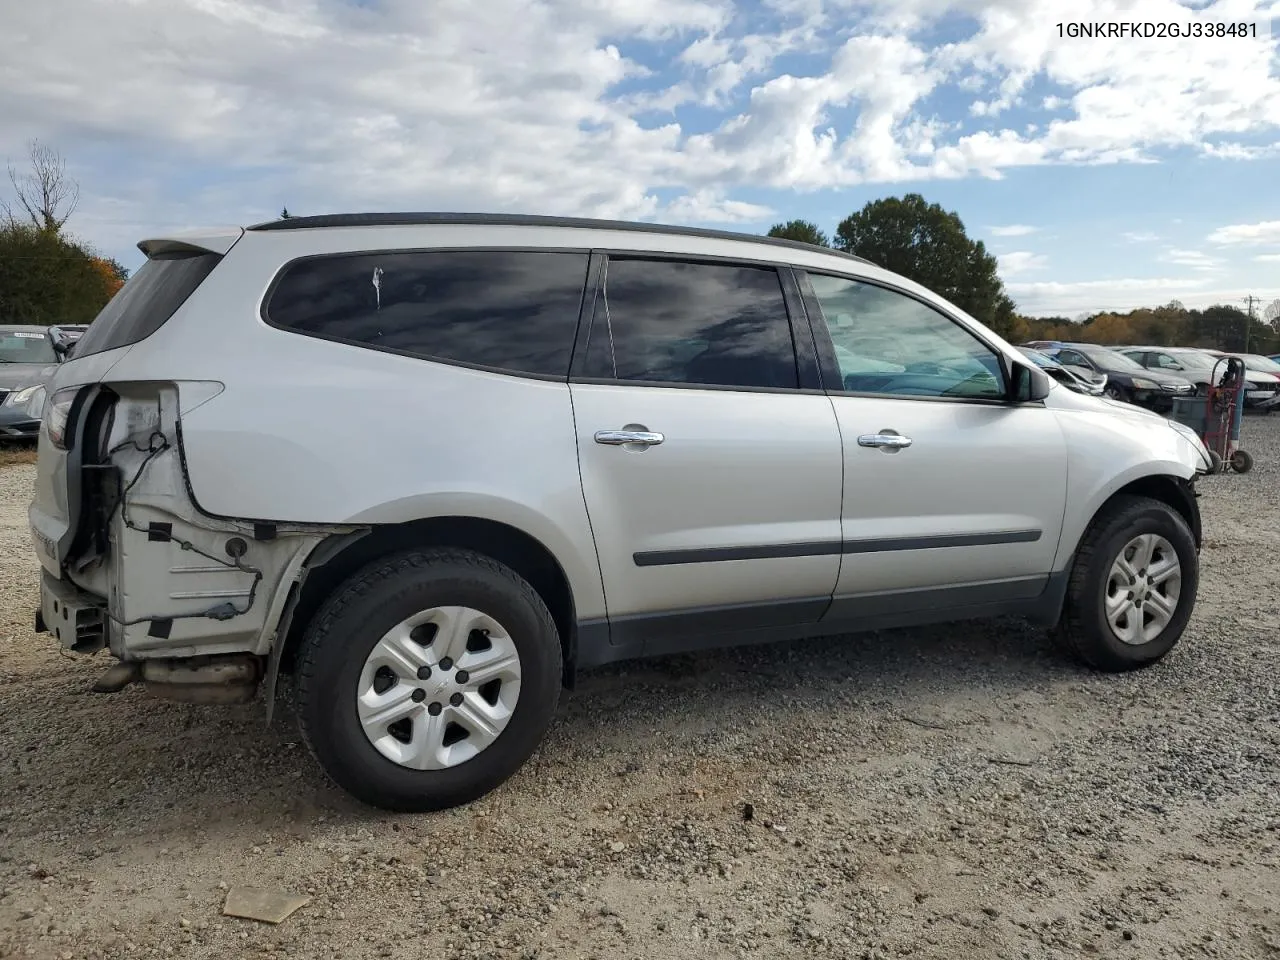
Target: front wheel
{"points": [[428, 679], [1115, 393], [1133, 585]]}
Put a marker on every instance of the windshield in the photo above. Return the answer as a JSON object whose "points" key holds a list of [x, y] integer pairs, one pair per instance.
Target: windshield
{"points": [[1113, 359], [1254, 361], [26, 346], [1039, 359], [1194, 359]]}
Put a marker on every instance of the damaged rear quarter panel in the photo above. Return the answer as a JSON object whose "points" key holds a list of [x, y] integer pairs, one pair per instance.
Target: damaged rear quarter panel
{"points": [[180, 583]]}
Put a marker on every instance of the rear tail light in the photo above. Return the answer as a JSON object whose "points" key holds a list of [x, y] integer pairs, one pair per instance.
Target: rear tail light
{"points": [[57, 416]]}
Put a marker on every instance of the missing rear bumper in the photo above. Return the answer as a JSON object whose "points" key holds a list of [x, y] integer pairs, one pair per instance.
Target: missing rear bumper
{"points": [[76, 619]]}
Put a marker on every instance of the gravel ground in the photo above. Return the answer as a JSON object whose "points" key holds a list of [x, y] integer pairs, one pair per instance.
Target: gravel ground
{"points": [[952, 792]]}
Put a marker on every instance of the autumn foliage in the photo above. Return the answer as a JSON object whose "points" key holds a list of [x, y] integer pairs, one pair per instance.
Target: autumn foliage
{"points": [[1220, 327]]}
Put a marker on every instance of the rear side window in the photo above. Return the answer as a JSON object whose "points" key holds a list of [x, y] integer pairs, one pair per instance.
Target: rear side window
{"points": [[148, 299], [515, 311], [673, 322]]}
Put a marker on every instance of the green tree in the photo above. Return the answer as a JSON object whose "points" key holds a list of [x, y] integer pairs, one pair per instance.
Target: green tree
{"points": [[801, 230], [1224, 327], [284, 213], [46, 278], [929, 245]]}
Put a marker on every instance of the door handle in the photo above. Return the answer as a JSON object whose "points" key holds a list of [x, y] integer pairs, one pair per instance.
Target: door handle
{"points": [[617, 438], [894, 441]]}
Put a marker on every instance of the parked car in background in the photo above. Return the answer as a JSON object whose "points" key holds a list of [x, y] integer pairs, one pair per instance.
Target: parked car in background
{"points": [[1126, 379], [1263, 375], [1191, 363], [28, 357], [1081, 381]]}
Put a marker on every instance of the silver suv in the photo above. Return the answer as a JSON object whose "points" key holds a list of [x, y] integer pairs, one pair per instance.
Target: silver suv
{"points": [[429, 466]]}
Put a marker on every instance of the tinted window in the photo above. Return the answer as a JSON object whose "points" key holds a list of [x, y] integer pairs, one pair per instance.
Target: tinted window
{"points": [[694, 323], [492, 308], [148, 298], [887, 342]]}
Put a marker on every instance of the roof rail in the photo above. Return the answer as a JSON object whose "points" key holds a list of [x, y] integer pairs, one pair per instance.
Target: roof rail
{"points": [[530, 220]]}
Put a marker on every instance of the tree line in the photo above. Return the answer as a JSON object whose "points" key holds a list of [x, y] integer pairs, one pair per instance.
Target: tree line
{"points": [[927, 244], [47, 276]]}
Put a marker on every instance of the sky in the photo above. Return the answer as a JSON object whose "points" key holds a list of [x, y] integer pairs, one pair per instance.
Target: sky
{"points": [[1105, 173]]}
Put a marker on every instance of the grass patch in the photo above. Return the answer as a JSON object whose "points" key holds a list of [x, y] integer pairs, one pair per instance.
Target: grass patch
{"points": [[13, 455]]}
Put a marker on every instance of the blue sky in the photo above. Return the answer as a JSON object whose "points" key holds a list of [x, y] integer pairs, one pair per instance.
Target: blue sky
{"points": [[1105, 173]]}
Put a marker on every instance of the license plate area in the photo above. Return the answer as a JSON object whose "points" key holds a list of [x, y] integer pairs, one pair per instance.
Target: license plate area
{"points": [[77, 620]]}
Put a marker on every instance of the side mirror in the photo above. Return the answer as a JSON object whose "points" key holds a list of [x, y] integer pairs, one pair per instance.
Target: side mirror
{"points": [[1027, 383]]}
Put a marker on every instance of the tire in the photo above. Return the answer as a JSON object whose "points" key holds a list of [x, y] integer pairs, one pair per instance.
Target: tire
{"points": [[1115, 393], [1215, 462], [1241, 461], [1086, 630], [350, 632]]}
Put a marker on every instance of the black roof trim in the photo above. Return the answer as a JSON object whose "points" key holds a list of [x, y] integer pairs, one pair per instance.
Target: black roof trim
{"points": [[530, 220]]}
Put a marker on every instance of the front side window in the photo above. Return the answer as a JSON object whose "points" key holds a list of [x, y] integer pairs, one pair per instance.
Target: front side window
{"points": [[681, 323], [887, 342], [1166, 362], [1073, 359], [515, 311]]}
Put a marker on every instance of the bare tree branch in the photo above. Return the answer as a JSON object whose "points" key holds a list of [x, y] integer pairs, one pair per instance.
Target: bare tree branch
{"points": [[47, 194]]}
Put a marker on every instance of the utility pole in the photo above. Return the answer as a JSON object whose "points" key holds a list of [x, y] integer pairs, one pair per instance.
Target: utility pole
{"points": [[1250, 300]]}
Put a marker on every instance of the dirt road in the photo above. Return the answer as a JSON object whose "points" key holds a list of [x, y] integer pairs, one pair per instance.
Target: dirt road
{"points": [[953, 792]]}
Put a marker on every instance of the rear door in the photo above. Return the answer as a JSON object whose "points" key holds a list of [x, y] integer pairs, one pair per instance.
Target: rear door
{"points": [[949, 488], [710, 457]]}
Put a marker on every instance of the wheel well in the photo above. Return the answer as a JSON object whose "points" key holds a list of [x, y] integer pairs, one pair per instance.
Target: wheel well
{"points": [[1173, 491], [508, 545]]}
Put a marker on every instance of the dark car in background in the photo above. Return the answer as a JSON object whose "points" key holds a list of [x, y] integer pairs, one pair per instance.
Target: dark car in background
{"points": [[28, 357], [1127, 380], [1081, 381]]}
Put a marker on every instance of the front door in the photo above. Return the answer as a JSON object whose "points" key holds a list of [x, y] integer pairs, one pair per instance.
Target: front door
{"points": [[948, 488], [712, 481]]}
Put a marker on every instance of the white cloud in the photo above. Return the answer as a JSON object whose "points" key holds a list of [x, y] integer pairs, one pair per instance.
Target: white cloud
{"points": [[1195, 259], [707, 206], [400, 104], [1239, 151], [1140, 236], [1267, 258], [1255, 234], [1020, 262], [1053, 298], [1012, 230]]}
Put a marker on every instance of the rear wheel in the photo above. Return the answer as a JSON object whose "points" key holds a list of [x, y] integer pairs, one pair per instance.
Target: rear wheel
{"points": [[428, 679], [1133, 585]]}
